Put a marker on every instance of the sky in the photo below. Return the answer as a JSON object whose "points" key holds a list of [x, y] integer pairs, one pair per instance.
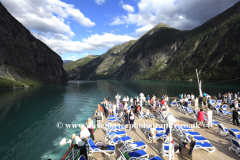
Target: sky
{"points": [[77, 28]]}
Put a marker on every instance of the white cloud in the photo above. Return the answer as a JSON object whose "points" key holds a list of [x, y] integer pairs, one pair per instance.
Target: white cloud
{"points": [[87, 54], [140, 31], [99, 2], [62, 44], [46, 16], [117, 21], [126, 26], [182, 14], [127, 7], [89, 30], [72, 58]]}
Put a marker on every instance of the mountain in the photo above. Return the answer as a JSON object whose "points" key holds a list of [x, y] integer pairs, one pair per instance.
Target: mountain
{"points": [[168, 53], [73, 69], [106, 65], [67, 61], [25, 60]]}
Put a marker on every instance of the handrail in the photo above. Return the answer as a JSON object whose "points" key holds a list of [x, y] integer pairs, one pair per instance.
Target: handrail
{"points": [[70, 148], [65, 155]]}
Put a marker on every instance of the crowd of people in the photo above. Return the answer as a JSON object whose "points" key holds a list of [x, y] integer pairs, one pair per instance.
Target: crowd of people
{"points": [[230, 99], [108, 107], [206, 99]]}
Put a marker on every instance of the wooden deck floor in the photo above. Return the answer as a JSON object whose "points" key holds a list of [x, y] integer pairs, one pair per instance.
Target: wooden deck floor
{"points": [[154, 149]]}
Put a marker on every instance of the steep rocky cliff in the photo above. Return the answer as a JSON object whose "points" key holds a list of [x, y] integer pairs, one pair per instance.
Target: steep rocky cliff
{"points": [[22, 56], [168, 53]]}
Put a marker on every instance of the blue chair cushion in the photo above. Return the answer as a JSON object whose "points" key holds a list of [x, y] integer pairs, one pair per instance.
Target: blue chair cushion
{"points": [[236, 143], [137, 153], [185, 127], [110, 147], [205, 144], [234, 130], [166, 147], [92, 144], [81, 158], [156, 158], [112, 119], [118, 132], [139, 143], [122, 139], [199, 138], [160, 134], [193, 133]]}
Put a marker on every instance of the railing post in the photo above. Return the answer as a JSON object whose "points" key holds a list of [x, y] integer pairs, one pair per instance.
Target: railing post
{"points": [[72, 154]]}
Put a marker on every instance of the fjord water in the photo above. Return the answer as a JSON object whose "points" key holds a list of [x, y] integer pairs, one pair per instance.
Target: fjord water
{"points": [[28, 116]]}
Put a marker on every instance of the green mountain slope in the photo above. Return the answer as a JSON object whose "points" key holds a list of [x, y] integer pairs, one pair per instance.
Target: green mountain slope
{"points": [[73, 68], [78, 63], [168, 53], [106, 65]]}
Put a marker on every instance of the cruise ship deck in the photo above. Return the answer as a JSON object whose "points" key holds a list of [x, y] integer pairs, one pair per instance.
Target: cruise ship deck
{"points": [[220, 143]]}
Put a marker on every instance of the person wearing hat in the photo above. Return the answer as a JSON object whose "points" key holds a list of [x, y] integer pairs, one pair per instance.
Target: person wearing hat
{"points": [[235, 116]]}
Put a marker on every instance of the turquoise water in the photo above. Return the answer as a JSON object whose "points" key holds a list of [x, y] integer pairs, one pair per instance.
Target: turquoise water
{"points": [[28, 116]]}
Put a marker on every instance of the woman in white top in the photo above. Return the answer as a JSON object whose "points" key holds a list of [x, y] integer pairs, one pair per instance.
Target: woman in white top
{"points": [[125, 106], [89, 123], [131, 101], [196, 103], [192, 96], [153, 133], [235, 103], [166, 98], [114, 108]]}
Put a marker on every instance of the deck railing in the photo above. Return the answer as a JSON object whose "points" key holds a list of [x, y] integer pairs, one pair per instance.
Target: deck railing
{"points": [[72, 153]]}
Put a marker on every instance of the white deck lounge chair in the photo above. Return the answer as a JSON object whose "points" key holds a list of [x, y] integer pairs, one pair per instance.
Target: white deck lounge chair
{"points": [[154, 158], [118, 140], [234, 134], [158, 135], [129, 147], [94, 149], [205, 146], [113, 128], [223, 131], [165, 150], [235, 146], [224, 112], [137, 155], [114, 134]]}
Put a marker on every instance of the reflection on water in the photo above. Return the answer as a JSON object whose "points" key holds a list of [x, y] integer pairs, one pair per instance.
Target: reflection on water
{"points": [[28, 116]]}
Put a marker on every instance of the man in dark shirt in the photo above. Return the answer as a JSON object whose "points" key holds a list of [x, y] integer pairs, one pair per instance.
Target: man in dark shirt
{"points": [[126, 119], [235, 116], [219, 96]]}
